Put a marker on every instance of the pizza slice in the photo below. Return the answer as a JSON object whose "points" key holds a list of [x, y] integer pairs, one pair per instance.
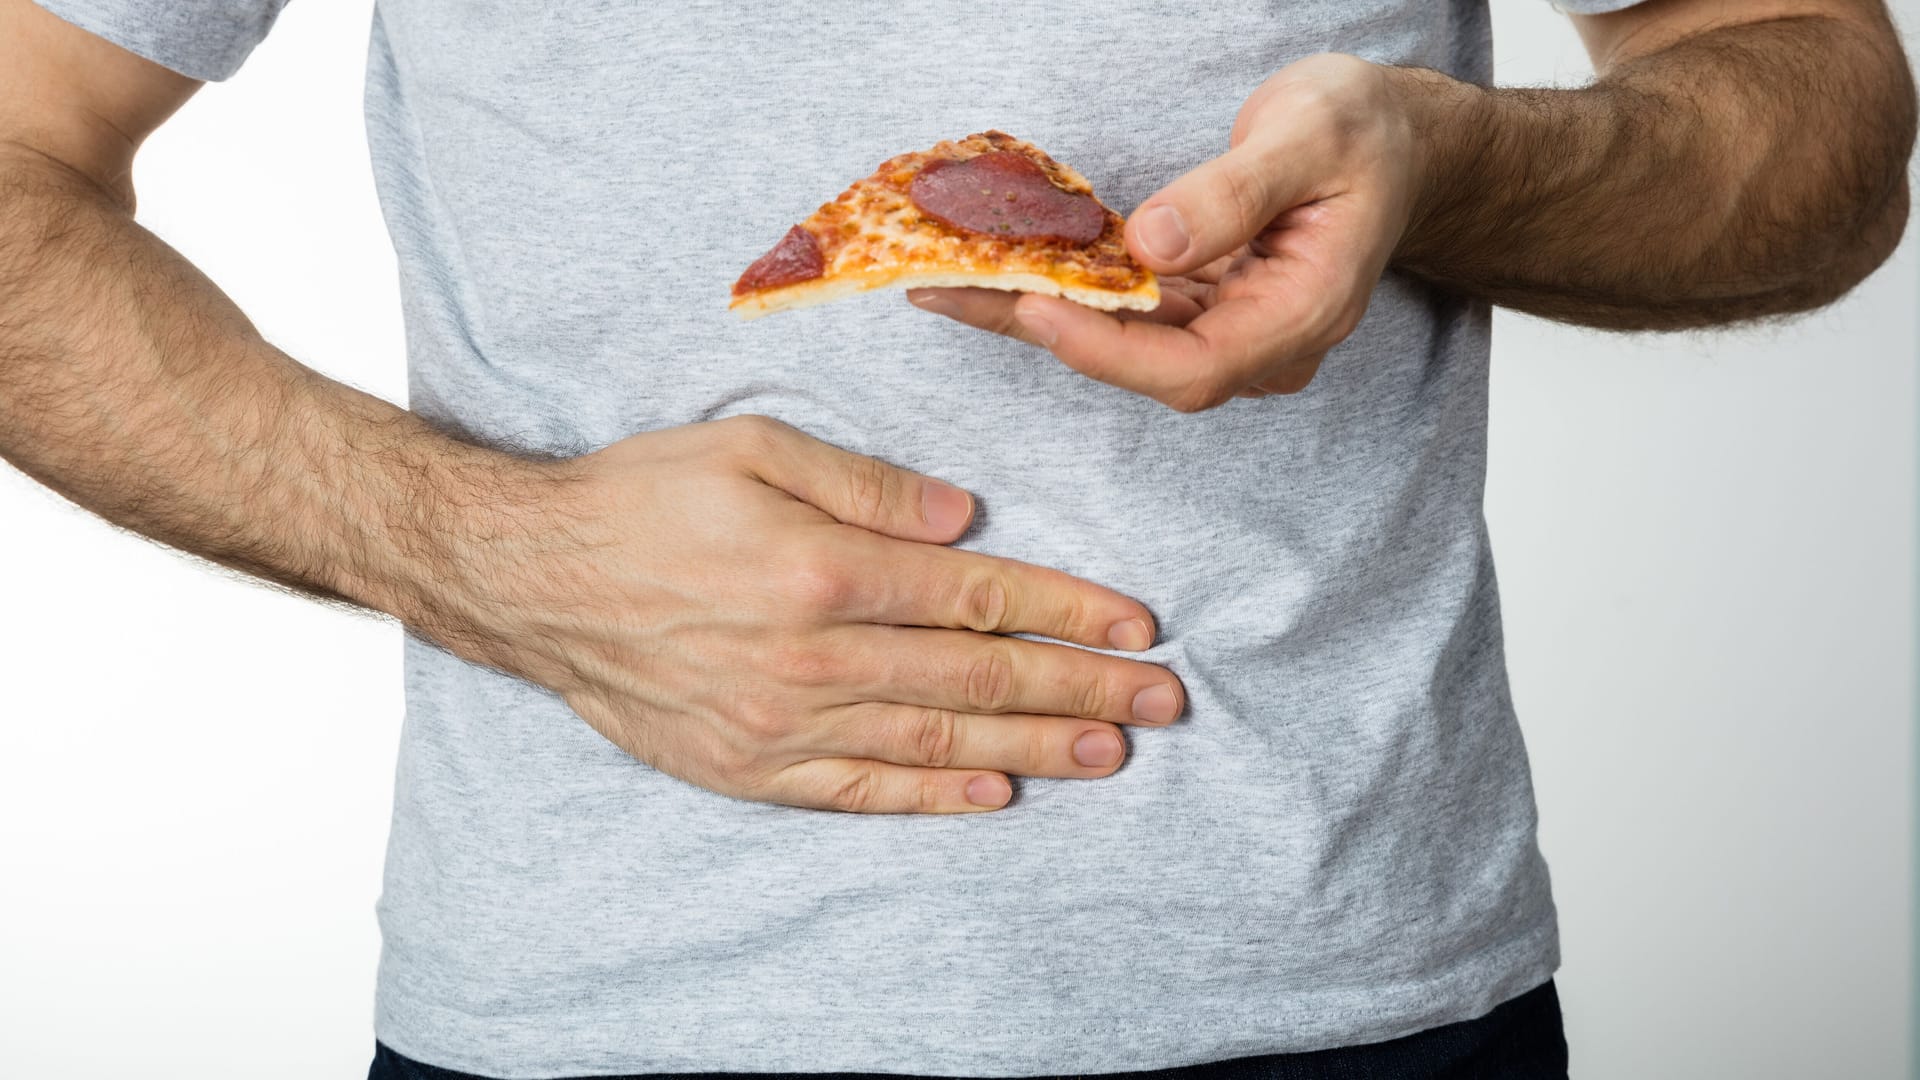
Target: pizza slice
{"points": [[989, 211]]}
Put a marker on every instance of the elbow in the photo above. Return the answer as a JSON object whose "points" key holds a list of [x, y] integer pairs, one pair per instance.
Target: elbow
{"points": [[1820, 212], [1885, 222], [1841, 233], [1796, 270], [1859, 203], [1835, 262], [1872, 244], [1844, 257]]}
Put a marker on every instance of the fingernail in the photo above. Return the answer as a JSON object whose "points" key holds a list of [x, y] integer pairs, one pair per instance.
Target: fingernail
{"points": [[1039, 329], [1162, 233], [1156, 705], [1131, 635], [939, 305], [1096, 749], [946, 508], [989, 791]]}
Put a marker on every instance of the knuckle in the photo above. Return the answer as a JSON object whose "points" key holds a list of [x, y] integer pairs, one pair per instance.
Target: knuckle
{"points": [[927, 794], [857, 791], [1090, 698], [1244, 190], [983, 602], [989, 681], [1314, 100], [817, 580], [754, 434], [1199, 397], [1216, 392], [1185, 401], [762, 723], [734, 769], [1297, 377], [871, 486], [1324, 101], [1076, 621], [1040, 748], [1006, 320], [936, 737]]}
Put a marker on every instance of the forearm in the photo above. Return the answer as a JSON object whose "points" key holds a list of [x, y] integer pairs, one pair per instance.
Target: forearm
{"points": [[132, 386], [1739, 173]]}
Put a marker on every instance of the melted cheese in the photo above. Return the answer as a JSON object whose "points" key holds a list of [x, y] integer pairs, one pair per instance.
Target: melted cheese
{"points": [[872, 236]]}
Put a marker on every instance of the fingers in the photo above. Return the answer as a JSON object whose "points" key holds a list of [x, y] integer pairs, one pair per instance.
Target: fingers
{"points": [[1210, 273], [1303, 293], [1311, 131], [912, 760], [1188, 367], [1258, 317], [853, 576], [993, 309], [1217, 207], [852, 488], [989, 674], [944, 739], [864, 786], [986, 309]]}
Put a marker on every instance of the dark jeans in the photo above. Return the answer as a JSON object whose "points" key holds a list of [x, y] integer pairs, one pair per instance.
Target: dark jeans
{"points": [[1520, 1040]]}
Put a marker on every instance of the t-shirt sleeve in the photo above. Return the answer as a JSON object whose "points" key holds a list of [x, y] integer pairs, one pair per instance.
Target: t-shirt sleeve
{"points": [[201, 39]]}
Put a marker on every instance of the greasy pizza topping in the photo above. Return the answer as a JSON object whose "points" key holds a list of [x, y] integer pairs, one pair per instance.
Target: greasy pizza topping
{"points": [[1005, 194], [874, 234], [796, 258], [874, 228]]}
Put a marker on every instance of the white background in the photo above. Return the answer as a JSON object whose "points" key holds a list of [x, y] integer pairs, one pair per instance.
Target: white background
{"points": [[1706, 548]]}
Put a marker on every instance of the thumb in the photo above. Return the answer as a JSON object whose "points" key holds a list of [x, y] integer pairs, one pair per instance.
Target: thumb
{"points": [[1214, 209], [855, 489]]}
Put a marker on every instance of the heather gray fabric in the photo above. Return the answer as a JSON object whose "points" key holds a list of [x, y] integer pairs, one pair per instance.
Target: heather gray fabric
{"points": [[206, 39], [1336, 846]]}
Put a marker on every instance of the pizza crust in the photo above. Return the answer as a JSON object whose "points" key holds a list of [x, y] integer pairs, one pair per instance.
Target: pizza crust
{"points": [[1144, 297]]}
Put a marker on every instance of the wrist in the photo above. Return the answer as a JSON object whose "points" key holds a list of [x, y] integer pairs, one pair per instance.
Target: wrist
{"points": [[484, 583], [459, 534], [1448, 123]]}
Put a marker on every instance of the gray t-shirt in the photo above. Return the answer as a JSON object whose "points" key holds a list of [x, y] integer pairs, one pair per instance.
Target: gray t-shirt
{"points": [[1335, 846]]}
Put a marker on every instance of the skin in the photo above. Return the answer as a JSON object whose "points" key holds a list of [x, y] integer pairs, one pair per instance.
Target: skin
{"points": [[754, 611], [1732, 161], [735, 603]]}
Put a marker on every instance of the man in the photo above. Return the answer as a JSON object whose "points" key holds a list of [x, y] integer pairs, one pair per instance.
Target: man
{"points": [[724, 548]]}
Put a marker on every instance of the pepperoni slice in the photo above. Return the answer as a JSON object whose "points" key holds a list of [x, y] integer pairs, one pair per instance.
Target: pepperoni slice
{"points": [[794, 259], [1002, 193]]}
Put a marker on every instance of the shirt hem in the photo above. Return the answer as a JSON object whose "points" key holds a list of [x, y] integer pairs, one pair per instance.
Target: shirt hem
{"points": [[932, 1043]]}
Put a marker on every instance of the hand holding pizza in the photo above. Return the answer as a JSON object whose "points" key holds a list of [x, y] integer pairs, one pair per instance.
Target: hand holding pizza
{"points": [[1268, 253]]}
